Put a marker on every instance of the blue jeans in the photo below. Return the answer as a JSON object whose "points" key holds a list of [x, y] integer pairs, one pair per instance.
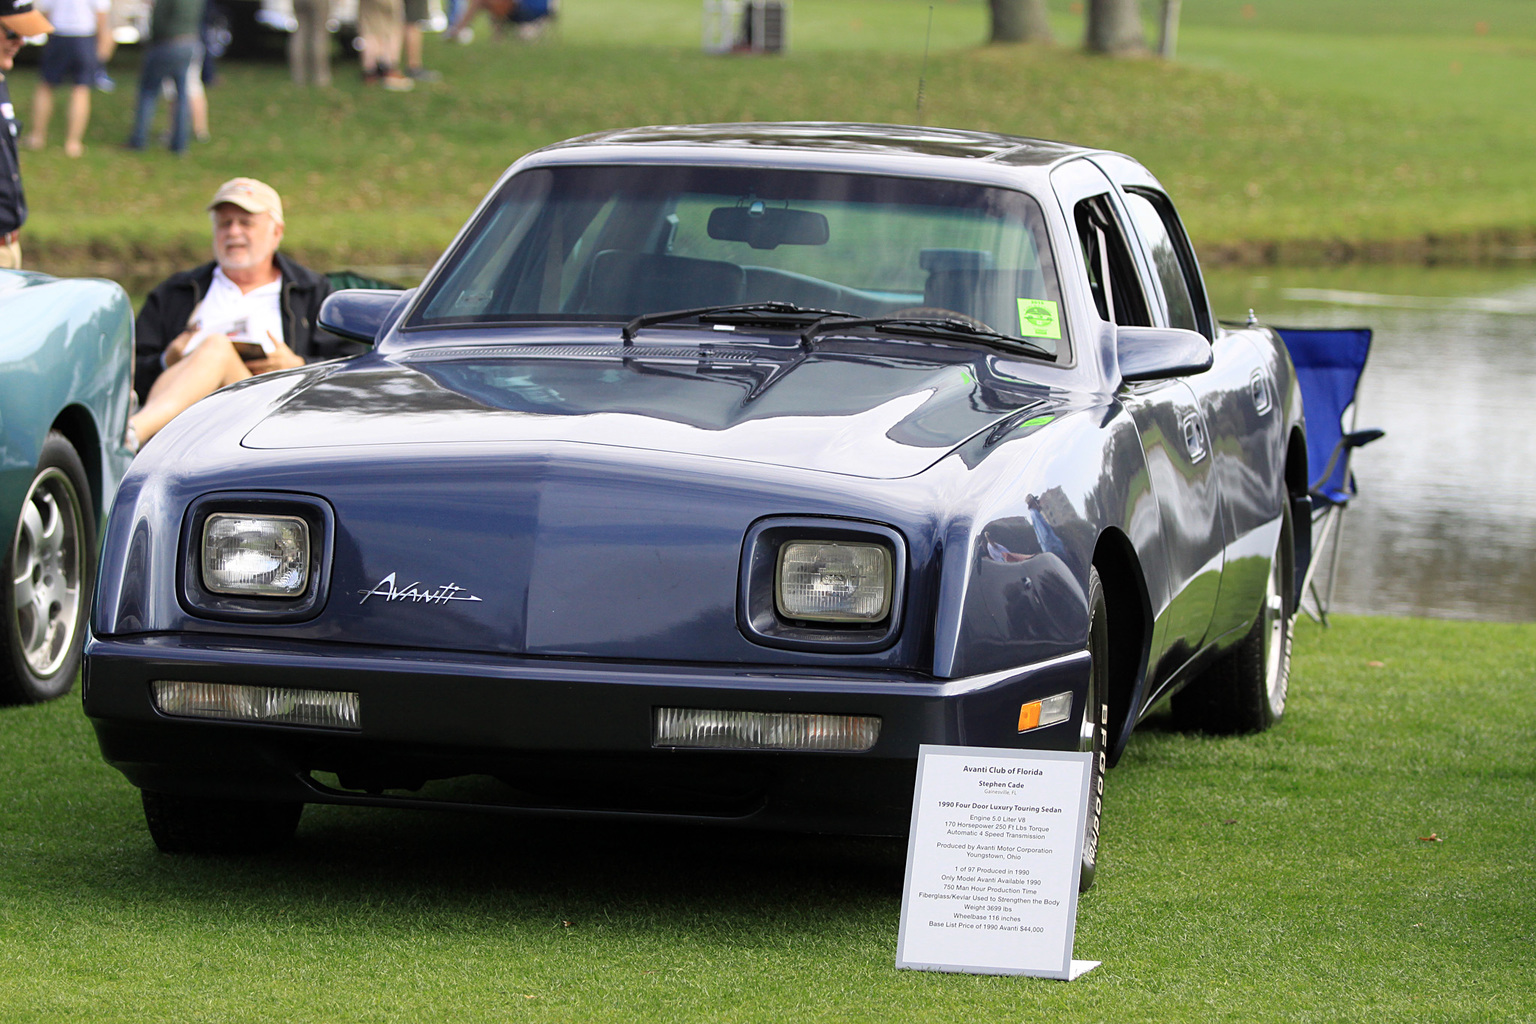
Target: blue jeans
{"points": [[165, 60]]}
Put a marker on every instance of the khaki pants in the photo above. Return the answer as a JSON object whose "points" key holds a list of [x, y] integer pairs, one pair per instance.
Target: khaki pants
{"points": [[10, 256], [381, 23]]}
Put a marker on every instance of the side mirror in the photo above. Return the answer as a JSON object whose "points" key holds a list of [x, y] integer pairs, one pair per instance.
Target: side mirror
{"points": [[361, 314], [1157, 353]]}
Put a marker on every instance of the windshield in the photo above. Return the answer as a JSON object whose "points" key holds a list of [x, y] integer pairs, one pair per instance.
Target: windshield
{"points": [[612, 243]]}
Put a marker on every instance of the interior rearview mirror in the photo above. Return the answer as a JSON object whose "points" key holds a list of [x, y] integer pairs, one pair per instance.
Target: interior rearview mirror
{"points": [[767, 227]]}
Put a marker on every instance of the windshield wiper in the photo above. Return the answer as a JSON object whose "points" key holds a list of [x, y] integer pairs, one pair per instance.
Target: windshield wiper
{"points": [[767, 313], [939, 326]]}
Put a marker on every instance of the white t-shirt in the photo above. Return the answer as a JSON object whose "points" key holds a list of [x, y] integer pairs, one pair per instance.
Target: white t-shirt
{"points": [[73, 17], [255, 316]]}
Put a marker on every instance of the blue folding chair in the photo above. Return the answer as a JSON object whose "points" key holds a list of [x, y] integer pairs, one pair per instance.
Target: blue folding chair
{"points": [[1329, 364]]}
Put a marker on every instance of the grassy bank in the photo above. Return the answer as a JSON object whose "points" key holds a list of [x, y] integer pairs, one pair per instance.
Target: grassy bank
{"points": [[1368, 860], [1287, 132]]}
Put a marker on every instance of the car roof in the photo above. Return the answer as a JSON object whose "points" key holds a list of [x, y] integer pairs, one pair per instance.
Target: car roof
{"points": [[939, 152], [844, 137]]}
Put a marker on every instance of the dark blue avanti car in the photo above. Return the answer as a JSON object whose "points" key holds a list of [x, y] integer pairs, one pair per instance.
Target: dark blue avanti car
{"points": [[712, 471], [66, 359]]}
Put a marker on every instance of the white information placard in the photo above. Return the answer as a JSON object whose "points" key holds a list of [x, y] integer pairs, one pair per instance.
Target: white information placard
{"points": [[993, 860]]}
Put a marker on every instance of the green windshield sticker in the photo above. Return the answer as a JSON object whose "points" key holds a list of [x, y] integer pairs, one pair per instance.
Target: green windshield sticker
{"points": [[1038, 319]]}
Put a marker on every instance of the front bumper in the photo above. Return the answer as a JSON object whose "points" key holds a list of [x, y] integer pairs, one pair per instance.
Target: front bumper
{"points": [[548, 736]]}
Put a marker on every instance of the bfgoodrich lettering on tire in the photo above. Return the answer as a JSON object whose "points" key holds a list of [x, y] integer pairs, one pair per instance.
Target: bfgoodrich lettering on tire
{"points": [[1094, 725]]}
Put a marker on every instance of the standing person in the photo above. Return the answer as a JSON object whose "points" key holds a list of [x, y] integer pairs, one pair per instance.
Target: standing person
{"points": [[250, 311], [173, 48], [17, 21], [80, 45], [417, 15], [309, 48], [381, 28]]}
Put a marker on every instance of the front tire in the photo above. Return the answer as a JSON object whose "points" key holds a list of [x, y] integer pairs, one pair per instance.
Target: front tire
{"points": [[1246, 690], [1094, 726], [50, 568], [204, 825]]}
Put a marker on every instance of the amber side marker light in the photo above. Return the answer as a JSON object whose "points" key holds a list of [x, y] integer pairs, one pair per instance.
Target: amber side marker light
{"points": [[1050, 711]]}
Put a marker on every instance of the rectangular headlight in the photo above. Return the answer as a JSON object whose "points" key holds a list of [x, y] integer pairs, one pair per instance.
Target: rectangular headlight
{"points": [[280, 705], [763, 730], [249, 553], [833, 581]]}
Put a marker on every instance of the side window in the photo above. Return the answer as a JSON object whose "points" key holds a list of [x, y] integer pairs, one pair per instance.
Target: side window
{"points": [[1173, 258], [1111, 271]]}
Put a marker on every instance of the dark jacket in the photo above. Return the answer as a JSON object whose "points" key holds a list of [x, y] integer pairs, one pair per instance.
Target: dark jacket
{"points": [[13, 205], [170, 305]]}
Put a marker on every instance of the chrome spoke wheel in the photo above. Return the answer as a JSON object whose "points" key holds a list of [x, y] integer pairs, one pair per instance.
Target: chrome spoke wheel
{"points": [[46, 568]]}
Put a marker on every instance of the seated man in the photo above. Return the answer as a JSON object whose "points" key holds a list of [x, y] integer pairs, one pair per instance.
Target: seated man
{"points": [[250, 311]]}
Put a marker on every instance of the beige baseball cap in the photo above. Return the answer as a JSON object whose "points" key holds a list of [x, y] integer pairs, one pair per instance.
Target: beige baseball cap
{"points": [[251, 196], [20, 17]]}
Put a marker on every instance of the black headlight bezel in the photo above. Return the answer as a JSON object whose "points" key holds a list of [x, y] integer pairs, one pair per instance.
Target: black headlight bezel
{"points": [[757, 614], [197, 599]]}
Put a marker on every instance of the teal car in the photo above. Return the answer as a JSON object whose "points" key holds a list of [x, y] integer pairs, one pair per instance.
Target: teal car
{"points": [[66, 359]]}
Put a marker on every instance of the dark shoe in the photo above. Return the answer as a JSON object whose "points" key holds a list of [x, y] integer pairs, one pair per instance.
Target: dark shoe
{"points": [[423, 74]]}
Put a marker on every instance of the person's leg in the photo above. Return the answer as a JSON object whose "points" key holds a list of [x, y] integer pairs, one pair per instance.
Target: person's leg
{"points": [[152, 72], [298, 44], [212, 365], [471, 8], [197, 99], [413, 45], [42, 113], [181, 124], [79, 117], [320, 46]]}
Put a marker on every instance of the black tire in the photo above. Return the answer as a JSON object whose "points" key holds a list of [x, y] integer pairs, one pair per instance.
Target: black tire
{"points": [[1094, 727], [50, 570], [205, 825], [1246, 690]]}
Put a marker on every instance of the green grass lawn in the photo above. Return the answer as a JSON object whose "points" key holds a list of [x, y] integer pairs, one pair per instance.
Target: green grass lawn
{"points": [[1285, 131], [1282, 877]]}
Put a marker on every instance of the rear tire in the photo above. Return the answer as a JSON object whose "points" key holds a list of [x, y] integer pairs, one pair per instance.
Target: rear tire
{"points": [[49, 571], [1246, 690], [1094, 726], [187, 824]]}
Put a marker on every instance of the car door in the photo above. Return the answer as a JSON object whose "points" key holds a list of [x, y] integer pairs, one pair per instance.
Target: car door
{"points": [[1237, 396], [1174, 436]]}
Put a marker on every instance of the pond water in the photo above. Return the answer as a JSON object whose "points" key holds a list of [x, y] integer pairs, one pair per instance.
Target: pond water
{"points": [[1445, 523]]}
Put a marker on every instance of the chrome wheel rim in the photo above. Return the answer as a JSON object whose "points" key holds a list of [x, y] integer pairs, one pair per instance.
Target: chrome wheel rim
{"points": [[46, 562]]}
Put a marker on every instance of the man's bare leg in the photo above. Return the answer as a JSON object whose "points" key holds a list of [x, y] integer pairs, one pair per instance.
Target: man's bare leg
{"points": [[212, 365], [79, 116]]}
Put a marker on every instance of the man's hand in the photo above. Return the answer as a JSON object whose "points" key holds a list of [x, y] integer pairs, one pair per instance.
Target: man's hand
{"points": [[280, 358], [177, 348]]}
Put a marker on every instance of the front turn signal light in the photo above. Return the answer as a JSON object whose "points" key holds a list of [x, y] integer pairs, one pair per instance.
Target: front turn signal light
{"points": [[1050, 711]]}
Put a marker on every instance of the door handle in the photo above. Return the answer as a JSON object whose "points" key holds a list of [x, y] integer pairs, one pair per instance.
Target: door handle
{"points": [[1194, 439]]}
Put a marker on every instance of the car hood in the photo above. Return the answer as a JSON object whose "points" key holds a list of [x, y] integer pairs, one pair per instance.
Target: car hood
{"points": [[867, 414]]}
